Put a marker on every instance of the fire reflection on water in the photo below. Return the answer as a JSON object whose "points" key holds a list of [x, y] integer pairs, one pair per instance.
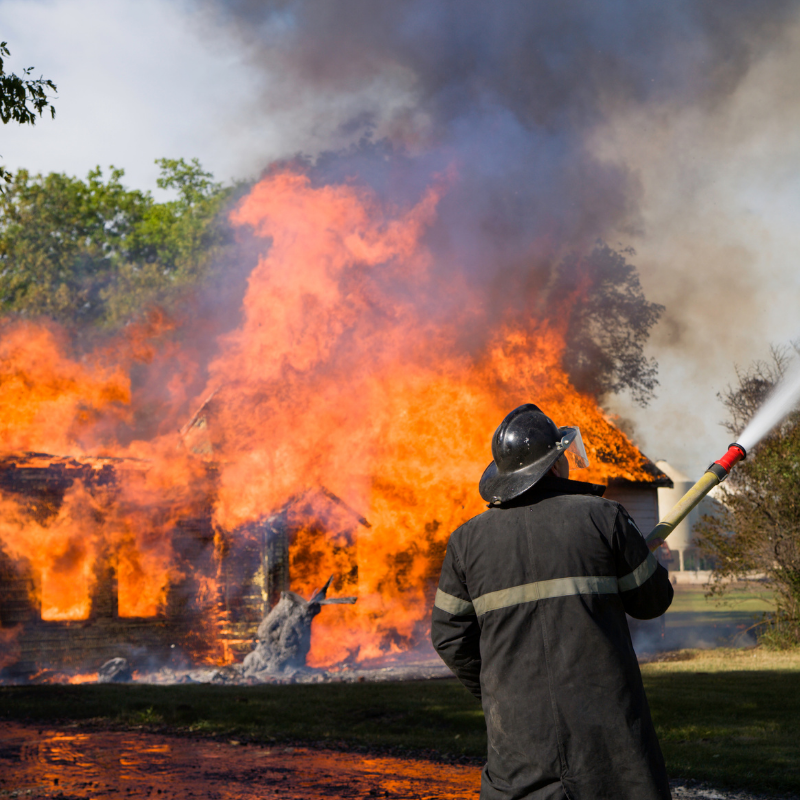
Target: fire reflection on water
{"points": [[87, 765]]}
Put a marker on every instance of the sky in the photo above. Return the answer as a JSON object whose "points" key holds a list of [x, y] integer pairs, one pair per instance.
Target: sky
{"points": [[700, 174], [140, 80]]}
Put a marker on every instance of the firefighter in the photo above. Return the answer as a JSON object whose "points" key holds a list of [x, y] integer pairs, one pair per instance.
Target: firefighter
{"points": [[530, 616]]}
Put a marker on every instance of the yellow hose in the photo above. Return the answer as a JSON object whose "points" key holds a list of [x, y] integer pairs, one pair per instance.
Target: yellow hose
{"points": [[682, 508]]}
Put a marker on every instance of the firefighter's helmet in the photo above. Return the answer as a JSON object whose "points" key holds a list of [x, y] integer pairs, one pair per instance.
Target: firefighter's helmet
{"points": [[525, 445]]}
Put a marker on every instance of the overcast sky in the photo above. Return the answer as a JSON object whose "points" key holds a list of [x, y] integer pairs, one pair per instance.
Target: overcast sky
{"points": [[139, 80], [716, 234]]}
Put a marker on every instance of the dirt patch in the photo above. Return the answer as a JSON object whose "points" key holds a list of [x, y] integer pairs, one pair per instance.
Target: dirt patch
{"points": [[669, 656]]}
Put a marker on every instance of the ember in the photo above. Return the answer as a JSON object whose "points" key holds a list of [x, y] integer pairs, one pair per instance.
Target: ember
{"points": [[343, 432]]}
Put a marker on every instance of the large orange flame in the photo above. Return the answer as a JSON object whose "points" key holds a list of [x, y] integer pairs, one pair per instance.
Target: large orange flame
{"points": [[341, 377], [332, 381]]}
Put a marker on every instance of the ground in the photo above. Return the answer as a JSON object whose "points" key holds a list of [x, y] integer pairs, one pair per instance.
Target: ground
{"points": [[72, 763], [694, 620], [728, 719]]}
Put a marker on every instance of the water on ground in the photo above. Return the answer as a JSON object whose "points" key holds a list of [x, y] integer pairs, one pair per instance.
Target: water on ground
{"points": [[73, 764], [69, 763]]}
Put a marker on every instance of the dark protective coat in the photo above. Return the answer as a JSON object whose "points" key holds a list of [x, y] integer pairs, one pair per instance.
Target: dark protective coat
{"points": [[530, 615]]}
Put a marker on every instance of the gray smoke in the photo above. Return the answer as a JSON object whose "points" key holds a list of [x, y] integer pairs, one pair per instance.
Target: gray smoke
{"points": [[511, 92], [565, 123]]}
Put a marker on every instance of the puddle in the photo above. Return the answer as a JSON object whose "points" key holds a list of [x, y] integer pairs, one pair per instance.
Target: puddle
{"points": [[80, 765]]}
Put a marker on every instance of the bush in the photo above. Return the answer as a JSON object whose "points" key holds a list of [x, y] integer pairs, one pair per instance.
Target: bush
{"points": [[758, 529]]}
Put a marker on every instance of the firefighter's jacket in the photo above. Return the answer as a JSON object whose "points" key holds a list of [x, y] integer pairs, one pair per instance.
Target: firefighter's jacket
{"points": [[530, 615]]}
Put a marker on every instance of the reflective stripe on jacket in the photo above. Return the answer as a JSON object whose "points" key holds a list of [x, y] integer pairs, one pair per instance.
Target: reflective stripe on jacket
{"points": [[530, 615]]}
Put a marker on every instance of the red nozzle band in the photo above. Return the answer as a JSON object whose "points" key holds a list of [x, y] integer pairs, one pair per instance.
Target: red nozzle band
{"points": [[735, 454]]}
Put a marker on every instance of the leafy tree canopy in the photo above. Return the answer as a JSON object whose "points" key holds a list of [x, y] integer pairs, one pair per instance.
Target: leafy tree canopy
{"points": [[94, 251], [758, 529], [608, 322], [21, 99]]}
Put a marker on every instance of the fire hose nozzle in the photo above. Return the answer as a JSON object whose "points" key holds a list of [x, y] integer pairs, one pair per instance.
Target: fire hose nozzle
{"points": [[723, 466]]}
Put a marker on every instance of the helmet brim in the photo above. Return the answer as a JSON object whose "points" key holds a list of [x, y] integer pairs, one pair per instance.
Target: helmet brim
{"points": [[500, 487]]}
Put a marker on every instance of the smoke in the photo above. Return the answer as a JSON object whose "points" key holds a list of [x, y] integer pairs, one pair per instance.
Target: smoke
{"points": [[716, 247], [511, 93], [633, 124], [681, 630], [552, 67]]}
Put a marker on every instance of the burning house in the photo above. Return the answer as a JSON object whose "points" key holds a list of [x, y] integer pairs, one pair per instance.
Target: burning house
{"points": [[251, 568], [346, 427], [49, 625]]}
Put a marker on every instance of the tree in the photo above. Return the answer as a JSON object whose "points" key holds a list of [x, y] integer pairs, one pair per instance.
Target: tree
{"points": [[94, 251], [174, 243], [758, 529], [21, 99], [608, 321]]}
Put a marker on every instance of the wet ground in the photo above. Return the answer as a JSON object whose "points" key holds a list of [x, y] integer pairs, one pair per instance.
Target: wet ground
{"points": [[75, 764], [82, 765]]}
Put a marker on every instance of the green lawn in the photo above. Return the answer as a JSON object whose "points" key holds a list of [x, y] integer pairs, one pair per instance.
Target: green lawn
{"points": [[726, 716], [730, 717], [738, 599]]}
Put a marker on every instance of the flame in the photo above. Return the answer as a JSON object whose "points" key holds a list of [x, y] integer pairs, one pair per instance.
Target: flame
{"points": [[48, 676], [48, 401], [128, 526], [331, 381], [348, 395], [88, 677]]}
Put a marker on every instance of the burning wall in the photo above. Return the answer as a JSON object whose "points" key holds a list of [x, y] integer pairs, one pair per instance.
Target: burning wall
{"points": [[357, 372]]}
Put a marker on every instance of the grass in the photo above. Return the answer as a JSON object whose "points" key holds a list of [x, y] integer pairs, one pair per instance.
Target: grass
{"points": [[736, 599], [730, 620], [730, 717], [440, 716]]}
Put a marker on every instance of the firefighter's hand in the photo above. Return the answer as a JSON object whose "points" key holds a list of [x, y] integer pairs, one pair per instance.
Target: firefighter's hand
{"points": [[655, 544]]}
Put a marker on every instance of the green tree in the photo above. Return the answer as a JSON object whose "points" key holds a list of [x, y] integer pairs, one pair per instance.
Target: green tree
{"points": [[174, 244], [94, 251], [758, 529], [21, 99], [608, 322]]}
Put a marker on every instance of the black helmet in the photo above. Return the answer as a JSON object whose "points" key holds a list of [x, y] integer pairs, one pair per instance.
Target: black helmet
{"points": [[524, 447]]}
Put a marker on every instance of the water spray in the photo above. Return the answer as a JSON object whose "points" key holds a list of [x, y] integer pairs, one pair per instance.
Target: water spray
{"points": [[781, 401]]}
